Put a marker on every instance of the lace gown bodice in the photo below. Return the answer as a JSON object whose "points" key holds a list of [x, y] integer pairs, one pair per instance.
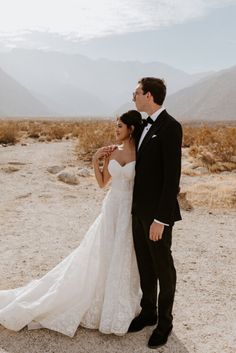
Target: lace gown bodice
{"points": [[122, 176], [97, 285]]}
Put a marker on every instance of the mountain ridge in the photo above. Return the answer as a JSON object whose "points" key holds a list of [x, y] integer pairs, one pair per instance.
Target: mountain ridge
{"points": [[73, 84], [211, 99], [17, 100]]}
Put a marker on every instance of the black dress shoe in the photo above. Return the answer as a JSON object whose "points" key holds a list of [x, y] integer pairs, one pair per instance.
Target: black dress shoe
{"points": [[142, 321], [159, 338]]}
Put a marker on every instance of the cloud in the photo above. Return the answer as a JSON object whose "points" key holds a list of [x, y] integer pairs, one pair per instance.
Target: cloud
{"points": [[95, 18]]}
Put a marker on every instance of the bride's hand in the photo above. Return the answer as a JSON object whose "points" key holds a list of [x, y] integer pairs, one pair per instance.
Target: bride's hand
{"points": [[104, 152], [99, 154], [110, 149]]}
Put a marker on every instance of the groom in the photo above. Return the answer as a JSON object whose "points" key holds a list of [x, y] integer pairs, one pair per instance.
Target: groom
{"points": [[155, 208]]}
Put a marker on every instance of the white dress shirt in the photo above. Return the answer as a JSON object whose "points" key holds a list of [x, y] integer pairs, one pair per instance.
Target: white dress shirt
{"points": [[154, 116]]}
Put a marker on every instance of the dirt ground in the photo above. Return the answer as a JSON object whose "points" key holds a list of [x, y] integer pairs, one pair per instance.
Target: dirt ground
{"points": [[43, 219]]}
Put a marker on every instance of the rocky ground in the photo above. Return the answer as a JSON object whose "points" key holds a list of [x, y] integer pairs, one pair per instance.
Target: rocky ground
{"points": [[48, 202]]}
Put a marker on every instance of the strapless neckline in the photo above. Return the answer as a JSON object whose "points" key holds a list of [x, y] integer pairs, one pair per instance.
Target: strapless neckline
{"points": [[122, 166]]}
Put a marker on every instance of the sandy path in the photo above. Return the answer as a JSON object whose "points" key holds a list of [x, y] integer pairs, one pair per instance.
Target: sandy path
{"points": [[43, 219]]}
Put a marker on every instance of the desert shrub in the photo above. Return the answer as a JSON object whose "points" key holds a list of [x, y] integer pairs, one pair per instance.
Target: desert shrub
{"points": [[50, 129], [56, 132], [92, 135], [8, 133], [34, 129], [212, 147]]}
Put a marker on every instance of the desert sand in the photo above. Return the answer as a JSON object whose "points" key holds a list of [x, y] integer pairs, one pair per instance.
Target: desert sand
{"points": [[42, 219]]}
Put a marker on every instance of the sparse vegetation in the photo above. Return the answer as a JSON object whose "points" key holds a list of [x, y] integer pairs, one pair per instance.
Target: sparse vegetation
{"points": [[210, 146], [9, 133], [93, 135]]}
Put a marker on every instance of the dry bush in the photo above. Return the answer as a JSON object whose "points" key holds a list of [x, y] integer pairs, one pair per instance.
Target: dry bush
{"points": [[55, 132], [34, 130], [212, 147], [214, 193], [189, 172], [9, 132], [92, 135], [48, 129]]}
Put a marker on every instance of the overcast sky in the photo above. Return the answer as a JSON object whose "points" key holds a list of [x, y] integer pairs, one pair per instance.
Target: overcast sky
{"points": [[162, 27]]}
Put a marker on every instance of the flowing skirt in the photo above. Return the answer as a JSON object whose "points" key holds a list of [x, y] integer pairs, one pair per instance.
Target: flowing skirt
{"points": [[96, 286]]}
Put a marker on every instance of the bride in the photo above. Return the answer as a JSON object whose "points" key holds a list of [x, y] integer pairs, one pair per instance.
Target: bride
{"points": [[97, 285]]}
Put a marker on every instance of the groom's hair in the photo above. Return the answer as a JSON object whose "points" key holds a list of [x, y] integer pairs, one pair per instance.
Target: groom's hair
{"points": [[156, 87]]}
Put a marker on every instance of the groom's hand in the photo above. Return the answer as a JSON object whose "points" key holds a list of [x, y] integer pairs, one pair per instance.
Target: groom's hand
{"points": [[156, 231]]}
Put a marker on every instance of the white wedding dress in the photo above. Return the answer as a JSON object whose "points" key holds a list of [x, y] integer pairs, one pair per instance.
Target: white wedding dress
{"points": [[97, 285]]}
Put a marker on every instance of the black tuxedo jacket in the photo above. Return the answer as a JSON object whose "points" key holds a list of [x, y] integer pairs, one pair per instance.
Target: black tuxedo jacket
{"points": [[158, 169]]}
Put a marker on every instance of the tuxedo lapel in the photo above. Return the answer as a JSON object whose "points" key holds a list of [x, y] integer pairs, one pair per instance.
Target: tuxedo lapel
{"points": [[156, 126]]}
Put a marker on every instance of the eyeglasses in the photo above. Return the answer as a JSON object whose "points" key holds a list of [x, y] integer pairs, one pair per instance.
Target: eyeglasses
{"points": [[136, 93]]}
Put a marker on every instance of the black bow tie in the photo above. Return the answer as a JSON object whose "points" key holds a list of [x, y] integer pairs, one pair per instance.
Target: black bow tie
{"points": [[148, 121]]}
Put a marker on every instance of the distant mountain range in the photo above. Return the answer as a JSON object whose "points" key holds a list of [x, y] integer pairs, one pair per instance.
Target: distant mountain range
{"points": [[39, 83], [15, 100], [211, 99], [74, 85]]}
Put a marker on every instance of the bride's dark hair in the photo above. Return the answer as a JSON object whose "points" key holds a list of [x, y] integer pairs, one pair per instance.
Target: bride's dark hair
{"points": [[132, 118]]}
